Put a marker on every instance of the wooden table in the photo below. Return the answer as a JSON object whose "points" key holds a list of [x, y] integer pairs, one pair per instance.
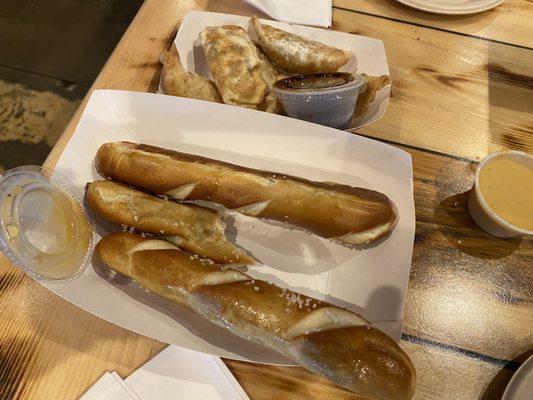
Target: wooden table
{"points": [[462, 88]]}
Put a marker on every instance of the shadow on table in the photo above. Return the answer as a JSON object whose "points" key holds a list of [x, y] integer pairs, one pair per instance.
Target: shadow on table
{"points": [[496, 387], [462, 232]]}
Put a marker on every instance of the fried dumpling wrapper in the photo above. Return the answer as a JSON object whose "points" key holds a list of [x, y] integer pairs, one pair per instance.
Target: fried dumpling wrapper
{"points": [[177, 81], [297, 54], [270, 74], [271, 104], [234, 64], [373, 85]]}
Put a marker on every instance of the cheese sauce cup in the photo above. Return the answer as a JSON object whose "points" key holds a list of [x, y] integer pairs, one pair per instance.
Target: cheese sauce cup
{"points": [[501, 201], [44, 227]]}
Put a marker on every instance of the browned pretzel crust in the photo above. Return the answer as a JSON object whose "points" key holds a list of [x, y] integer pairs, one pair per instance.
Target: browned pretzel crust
{"points": [[338, 212], [321, 337]]}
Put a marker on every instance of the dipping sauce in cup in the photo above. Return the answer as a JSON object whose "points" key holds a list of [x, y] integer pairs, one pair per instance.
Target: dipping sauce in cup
{"points": [[324, 98], [501, 201]]}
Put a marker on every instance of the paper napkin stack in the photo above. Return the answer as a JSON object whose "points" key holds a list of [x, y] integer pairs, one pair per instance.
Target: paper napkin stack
{"points": [[172, 373]]}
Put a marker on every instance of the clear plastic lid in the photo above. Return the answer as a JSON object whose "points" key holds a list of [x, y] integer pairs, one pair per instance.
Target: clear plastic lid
{"points": [[45, 229]]}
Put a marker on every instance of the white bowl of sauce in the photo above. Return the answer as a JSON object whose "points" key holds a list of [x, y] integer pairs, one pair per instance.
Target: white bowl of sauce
{"points": [[44, 227], [501, 201]]}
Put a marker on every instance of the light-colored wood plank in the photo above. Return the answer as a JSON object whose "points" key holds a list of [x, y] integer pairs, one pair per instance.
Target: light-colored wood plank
{"points": [[50, 349], [450, 93], [510, 22]]}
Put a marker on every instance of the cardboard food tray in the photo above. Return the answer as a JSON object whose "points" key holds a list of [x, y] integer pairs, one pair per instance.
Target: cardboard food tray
{"points": [[370, 57], [372, 282]]}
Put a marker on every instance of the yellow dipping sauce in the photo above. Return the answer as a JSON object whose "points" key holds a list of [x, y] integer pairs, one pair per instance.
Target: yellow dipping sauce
{"points": [[507, 187]]}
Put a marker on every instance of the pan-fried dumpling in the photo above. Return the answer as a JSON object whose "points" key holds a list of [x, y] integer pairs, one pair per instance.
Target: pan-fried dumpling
{"points": [[296, 54], [234, 64], [271, 104], [269, 72], [177, 81], [270, 75], [373, 85]]}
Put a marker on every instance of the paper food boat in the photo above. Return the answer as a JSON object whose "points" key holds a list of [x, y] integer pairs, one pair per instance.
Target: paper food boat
{"points": [[372, 282], [370, 57]]}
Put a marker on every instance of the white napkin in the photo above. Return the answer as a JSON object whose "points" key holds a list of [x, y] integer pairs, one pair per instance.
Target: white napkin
{"points": [[304, 12], [181, 371], [110, 387], [174, 373]]}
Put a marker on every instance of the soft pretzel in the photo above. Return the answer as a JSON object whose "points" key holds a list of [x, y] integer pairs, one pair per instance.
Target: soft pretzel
{"points": [[341, 213], [325, 339], [195, 229]]}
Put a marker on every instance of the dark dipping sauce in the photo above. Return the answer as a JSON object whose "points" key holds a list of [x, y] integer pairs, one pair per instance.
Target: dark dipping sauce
{"points": [[317, 81]]}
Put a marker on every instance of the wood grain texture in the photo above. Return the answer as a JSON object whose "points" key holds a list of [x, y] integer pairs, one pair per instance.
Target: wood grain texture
{"points": [[510, 22], [467, 288], [478, 95], [469, 306], [50, 349]]}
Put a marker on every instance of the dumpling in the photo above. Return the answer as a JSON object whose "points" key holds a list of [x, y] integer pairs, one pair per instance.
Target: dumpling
{"points": [[177, 81], [234, 64], [296, 54], [373, 85], [270, 75], [269, 72], [271, 104]]}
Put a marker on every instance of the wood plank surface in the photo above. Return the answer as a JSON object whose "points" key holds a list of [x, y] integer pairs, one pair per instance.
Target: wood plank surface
{"points": [[466, 288], [469, 307], [50, 349], [478, 95], [510, 22]]}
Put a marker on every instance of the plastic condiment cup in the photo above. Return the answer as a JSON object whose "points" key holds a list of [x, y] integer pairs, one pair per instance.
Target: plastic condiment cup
{"points": [[325, 98], [480, 211], [45, 228]]}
